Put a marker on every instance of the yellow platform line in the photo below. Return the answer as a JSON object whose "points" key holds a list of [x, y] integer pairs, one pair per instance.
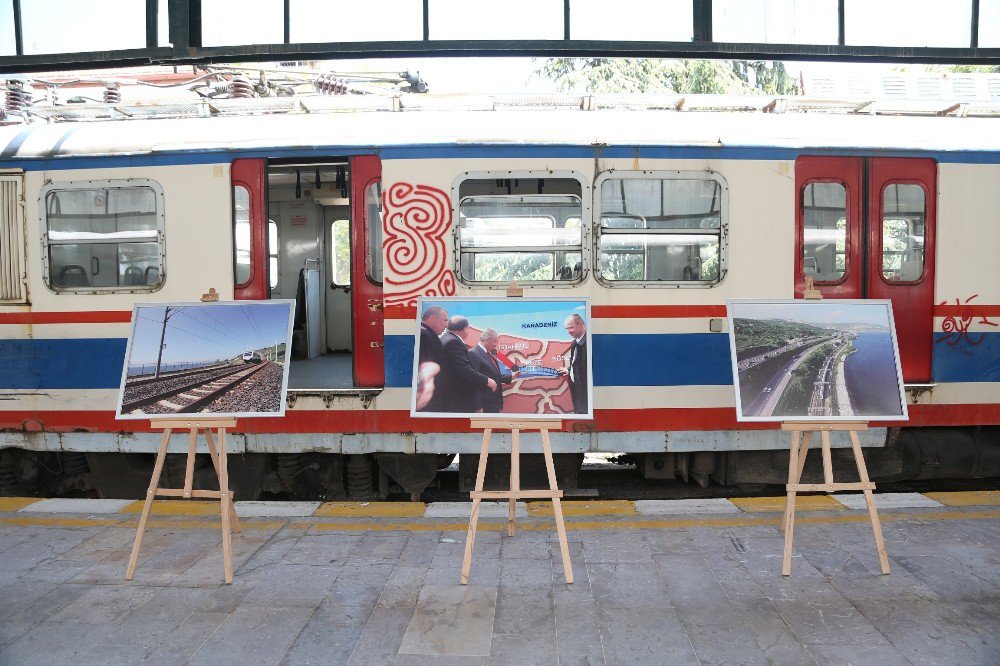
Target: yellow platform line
{"points": [[593, 508], [967, 498], [16, 503], [802, 503], [371, 509], [176, 508], [746, 520]]}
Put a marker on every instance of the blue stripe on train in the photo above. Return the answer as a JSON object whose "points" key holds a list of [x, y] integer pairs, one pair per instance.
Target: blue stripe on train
{"points": [[619, 360], [677, 359], [966, 358], [68, 363]]}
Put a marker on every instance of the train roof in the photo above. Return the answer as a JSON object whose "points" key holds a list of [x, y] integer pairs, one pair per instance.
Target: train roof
{"points": [[355, 126]]}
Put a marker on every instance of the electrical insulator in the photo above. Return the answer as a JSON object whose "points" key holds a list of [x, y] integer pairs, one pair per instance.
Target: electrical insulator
{"points": [[112, 93], [328, 84], [241, 87], [18, 98]]}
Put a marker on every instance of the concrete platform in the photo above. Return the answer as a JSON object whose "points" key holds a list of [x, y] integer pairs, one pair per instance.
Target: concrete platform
{"points": [[370, 583]]}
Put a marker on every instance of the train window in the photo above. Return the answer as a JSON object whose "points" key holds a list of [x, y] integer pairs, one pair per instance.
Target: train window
{"points": [[904, 210], [373, 219], [662, 228], [103, 235], [272, 253], [529, 238], [520, 225], [340, 258], [241, 234], [824, 230]]}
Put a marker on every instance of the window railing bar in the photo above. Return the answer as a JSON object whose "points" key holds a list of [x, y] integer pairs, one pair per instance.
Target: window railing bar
{"points": [[521, 249], [566, 35], [18, 33], [841, 24], [974, 40], [152, 23], [288, 21], [613, 231], [427, 21]]}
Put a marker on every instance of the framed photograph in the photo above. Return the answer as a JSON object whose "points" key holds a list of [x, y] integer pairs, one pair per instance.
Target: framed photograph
{"points": [[211, 359], [815, 360], [516, 357]]}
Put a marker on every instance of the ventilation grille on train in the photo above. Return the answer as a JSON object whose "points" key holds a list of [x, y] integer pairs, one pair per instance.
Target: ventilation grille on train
{"points": [[11, 241]]}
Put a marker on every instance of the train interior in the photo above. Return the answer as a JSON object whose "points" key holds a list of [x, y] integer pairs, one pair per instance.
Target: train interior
{"points": [[309, 247]]}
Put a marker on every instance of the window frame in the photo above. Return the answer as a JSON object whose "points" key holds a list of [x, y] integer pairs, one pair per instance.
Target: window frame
{"points": [[654, 174], [585, 218], [881, 233], [107, 184], [848, 244]]}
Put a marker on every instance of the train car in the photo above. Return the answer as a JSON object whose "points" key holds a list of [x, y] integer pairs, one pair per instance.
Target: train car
{"points": [[657, 215]]}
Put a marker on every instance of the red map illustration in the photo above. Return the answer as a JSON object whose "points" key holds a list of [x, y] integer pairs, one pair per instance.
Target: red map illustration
{"points": [[534, 395]]}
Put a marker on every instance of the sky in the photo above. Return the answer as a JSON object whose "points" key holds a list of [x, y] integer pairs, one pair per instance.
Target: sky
{"points": [[823, 312], [508, 315], [55, 26], [207, 332]]}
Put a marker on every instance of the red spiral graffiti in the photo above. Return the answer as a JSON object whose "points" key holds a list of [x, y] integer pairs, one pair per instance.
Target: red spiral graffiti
{"points": [[416, 219]]}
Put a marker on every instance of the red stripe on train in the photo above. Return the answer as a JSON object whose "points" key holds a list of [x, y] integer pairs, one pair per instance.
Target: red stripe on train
{"points": [[399, 421], [952, 310], [94, 317]]}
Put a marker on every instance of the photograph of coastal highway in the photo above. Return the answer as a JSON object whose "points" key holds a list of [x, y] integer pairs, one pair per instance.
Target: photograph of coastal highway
{"points": [[211, 359], [815, 360]]}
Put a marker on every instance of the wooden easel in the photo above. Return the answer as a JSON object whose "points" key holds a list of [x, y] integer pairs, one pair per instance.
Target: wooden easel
{"points": [[224, 494], [515, 492], [802, 432]]}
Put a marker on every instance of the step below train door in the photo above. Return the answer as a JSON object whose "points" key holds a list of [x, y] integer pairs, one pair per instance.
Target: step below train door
{"points": [[865, 229]]}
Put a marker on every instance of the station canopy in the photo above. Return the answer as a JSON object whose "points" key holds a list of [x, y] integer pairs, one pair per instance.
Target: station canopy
{"points": [[43, 35]]}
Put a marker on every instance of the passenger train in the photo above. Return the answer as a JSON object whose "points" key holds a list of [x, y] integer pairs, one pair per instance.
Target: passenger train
{"points": [[658, 215]]}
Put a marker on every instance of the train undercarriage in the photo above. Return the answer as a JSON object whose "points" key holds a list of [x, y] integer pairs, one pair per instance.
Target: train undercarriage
{"points": [[910, 454]]}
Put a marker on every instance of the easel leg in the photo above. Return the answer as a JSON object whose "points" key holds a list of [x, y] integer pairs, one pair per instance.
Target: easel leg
{"points": [[827, 458], [789, 522], [515, 479], [154, 483], [859, 458], [557, 506], [214, 455], [803, 452], [470, 538], [227, 507], [189, 468]]}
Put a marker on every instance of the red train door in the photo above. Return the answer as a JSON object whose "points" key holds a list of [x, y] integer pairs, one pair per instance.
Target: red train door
{"points": [[366, 270], [865, 229], [250, 277]]}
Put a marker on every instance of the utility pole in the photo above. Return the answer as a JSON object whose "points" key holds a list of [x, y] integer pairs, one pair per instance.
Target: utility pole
{"points": [[163, 333]]}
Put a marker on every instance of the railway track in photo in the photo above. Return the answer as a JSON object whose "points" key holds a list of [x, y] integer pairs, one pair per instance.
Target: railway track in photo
{"points": [[190, 392]]}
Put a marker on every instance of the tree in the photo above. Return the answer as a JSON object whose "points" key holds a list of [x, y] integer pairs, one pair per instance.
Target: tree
{"points": [[644, 75]]}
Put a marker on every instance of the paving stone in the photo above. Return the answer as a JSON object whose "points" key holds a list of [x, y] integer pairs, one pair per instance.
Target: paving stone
{"points": [[725, 644], [578, 638], [951, 580], [452, 620], [67, 505], [827, 619], [644, 636], [252, 509], [525, 611], [326, 549], [462, 510], [292, 586], [253, 635], [627, 586], [329, 637], [521, 650], [849, 655], [185, 639], [888, 501], [683, 507], [383, 634]]}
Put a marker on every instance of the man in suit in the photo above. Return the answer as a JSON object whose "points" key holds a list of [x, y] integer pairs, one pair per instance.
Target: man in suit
{"points": [[459, 381], [430, 358], [576, 371], [483, 359]]}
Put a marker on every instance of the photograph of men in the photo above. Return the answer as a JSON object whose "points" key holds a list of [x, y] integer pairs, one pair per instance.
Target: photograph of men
{"points": [[433, 322], [483, 357], [459, 384], [515, 357], [576, 371]]}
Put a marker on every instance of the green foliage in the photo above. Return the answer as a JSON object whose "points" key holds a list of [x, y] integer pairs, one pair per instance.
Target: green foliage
{"points": [[644, 75], [770, 333]]}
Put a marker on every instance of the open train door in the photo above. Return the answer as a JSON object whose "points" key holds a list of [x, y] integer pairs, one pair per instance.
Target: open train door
{"points": [[366, 270], [865, 229]]}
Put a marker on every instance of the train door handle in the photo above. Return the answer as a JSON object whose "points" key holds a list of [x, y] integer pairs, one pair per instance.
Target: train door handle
{"points": [[377, 345], [375, 305]]}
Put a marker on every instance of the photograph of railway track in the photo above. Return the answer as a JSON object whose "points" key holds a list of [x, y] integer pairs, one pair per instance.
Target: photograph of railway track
{"points": [[211, 359], [822, 360]]}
